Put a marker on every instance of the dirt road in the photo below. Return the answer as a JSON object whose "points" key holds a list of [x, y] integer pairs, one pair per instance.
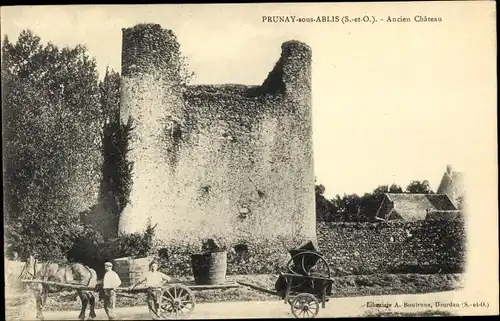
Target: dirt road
{"points": [[337, 307]]}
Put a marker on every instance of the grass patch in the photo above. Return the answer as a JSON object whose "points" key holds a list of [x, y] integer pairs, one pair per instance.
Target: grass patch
{"points": [[387, 284]]}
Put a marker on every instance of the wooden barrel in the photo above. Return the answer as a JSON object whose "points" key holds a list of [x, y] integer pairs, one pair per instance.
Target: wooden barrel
{"points": [[209, 268], [131, 270]]}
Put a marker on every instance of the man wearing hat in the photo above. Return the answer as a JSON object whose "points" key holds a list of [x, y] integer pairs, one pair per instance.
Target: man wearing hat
{"points": [[110, 282]]}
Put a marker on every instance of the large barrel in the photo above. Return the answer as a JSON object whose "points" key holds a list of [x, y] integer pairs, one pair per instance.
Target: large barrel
{"points": [[131, 270], [209, 268]]}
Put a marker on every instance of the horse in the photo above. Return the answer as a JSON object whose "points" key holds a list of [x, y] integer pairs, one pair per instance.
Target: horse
{"points": [[69, 273]]}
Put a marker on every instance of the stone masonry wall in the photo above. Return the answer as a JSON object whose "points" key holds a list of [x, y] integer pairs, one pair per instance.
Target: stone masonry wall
{"points": [[428, 247], [228, 162], [419, 247]]}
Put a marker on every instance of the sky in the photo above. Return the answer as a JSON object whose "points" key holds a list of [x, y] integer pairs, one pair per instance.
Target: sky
{"points": [[392, 102]]}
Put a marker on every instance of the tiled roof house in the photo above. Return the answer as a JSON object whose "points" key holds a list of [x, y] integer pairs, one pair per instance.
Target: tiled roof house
{"points": [[452, 184], [415, 207]]}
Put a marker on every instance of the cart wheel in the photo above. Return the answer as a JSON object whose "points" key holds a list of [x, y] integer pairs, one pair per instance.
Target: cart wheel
{"points": [[309, 264], [177, 302], [305, 305]]}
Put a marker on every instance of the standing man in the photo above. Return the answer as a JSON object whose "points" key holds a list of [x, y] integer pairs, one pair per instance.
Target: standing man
{"points": [[154, 280], [110, 282]]}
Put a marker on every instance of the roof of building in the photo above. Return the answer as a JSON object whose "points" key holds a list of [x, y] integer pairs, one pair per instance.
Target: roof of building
{"points": [[441, 202], [412, 207], [453, 179], [444, 215]]}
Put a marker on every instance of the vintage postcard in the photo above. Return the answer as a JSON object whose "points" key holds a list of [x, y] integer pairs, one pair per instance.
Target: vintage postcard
{"points": [[224, 161]]}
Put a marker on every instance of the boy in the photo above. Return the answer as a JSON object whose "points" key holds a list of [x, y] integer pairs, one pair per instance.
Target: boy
{"points": [[110, 282], [154, 280]]}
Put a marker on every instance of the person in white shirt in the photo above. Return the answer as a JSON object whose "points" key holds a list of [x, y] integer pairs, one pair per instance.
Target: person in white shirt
{"points": [[110, 282], [154, 280]]}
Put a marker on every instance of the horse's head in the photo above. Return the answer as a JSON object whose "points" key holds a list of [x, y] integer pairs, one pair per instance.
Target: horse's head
{"points": [[29, 270]]}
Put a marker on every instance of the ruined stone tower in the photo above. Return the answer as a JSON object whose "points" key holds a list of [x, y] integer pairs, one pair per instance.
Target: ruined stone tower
{"points": [[230, 162]]}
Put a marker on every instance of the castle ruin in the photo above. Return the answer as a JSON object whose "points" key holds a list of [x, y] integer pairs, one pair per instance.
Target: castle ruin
{"points": [[217, 161]]}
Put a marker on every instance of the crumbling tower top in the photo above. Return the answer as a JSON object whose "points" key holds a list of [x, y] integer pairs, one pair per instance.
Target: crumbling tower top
{"points": [[148, 48]]}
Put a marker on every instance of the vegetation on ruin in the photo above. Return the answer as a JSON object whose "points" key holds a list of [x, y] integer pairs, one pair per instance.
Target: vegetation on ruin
{"points": [[116, 169], [160, 50]]}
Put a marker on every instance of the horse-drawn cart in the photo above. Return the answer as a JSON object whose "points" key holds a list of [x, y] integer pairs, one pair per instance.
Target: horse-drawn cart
{"points": [[305, 285], [175, 300]]}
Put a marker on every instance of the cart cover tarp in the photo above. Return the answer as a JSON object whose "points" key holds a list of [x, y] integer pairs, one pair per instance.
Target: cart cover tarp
{"points": [[301, 262]]}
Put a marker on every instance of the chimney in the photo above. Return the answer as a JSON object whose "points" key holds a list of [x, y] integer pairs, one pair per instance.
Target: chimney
{"points": [[448, 169]]}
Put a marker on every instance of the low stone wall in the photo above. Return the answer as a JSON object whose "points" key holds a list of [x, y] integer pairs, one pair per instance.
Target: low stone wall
{"points": [[436, 246], [350, 248]]}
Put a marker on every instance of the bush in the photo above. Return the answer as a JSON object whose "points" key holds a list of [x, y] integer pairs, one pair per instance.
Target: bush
{"points": [[94, 250], [134, 245], [175, 260]]}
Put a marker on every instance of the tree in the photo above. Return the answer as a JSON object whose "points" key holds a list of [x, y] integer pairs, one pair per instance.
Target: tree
{"points": [[419, 187], [380, 190], [371, 201], [325, 209], [349, 208], [109, 97], [52, 125]]}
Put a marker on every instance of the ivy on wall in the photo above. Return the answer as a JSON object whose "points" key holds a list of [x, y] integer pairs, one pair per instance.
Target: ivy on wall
{"points": [[117, 169]]}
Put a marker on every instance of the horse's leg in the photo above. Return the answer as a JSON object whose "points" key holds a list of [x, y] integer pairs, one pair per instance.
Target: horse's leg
{"points": [[39, 304], [44, 295], [41, 297], [91, 297], [84, 299]]}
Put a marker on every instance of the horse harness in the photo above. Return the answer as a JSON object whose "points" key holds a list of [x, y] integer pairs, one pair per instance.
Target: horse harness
{"points": [[25, 272]]}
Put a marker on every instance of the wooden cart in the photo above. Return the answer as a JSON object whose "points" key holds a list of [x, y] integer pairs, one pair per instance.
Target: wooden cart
{"points": [[305, 304], [175, 300], [305, 285]]}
